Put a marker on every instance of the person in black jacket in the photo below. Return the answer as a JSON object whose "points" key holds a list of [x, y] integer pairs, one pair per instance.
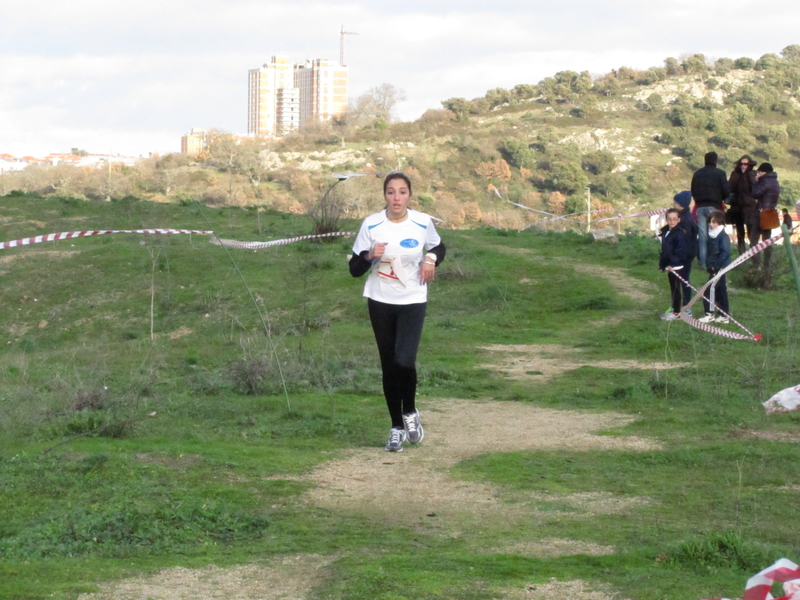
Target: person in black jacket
{"points": [[709, 189], [717, 258], [674, 251], [767, 191], [689, 226], [742, 206]]}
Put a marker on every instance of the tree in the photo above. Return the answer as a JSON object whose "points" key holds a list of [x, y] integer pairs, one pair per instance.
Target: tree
{"points": [[375, 105], [673, 67], [460, 107], [767, 62], [599, 162], [695, 64], [723, 66], [791, 52], [745, 63]]}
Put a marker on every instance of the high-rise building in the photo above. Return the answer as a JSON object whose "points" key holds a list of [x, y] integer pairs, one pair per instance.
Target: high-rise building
{"points": [[323, 90], [263, 105], [282, 99]]}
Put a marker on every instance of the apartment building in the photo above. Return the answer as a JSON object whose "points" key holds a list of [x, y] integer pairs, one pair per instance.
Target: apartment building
{"points": [[323, 90], [284, 98], [263, 103]]}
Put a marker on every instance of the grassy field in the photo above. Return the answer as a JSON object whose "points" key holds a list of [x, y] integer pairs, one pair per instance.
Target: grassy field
{"points": [[165, 404]]}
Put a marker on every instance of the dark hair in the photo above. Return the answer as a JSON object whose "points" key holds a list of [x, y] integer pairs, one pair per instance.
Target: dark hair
{"points": [[717, 216], [765, 168], [711, 158], [674, 211], [397, 175]]}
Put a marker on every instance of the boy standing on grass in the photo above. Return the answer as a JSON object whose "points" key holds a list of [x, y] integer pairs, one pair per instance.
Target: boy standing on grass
{"points": [[718, 256], [674, 253], [681, 201]]}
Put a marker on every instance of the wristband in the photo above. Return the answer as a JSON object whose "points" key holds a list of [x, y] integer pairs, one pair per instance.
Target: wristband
{"points": [[432, 256]]}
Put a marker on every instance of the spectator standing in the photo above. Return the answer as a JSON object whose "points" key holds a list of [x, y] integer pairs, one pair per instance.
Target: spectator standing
{"points": [[681, 201], [710, 188], [718, 256], [674, 250], [767, 192], [741, 204]]}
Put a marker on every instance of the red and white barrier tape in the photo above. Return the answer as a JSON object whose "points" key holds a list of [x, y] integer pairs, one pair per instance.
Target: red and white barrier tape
{"points": [[67, 235], [647, 213], [758, 586], [710, 328], [760, 247], [588, 212], [258, 245]]}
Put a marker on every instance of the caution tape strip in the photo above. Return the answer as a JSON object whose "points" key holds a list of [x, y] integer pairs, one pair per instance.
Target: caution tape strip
{"points": [[588, 212], [647, 213], [67, 235], [710, 328], [758, 587], [258, 245]]}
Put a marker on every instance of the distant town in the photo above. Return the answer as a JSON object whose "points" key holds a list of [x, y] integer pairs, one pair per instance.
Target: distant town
{"points": [[281, 98]]}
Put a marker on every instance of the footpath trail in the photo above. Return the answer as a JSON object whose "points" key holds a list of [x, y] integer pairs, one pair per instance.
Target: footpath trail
{"points": [[367, 481]]}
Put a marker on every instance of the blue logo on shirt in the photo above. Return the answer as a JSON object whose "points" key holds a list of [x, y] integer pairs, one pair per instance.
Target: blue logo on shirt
{"points": [[409, 243]]}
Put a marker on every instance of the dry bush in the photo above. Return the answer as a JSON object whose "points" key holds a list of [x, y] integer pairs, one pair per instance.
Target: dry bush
{"points": [[450, 209], [466, 186], [555, 202], [472, 212], [498, 169]]}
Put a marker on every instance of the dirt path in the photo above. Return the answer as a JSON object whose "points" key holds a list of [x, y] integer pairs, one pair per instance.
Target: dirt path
{"points": [[367, 481], [457, 430]]}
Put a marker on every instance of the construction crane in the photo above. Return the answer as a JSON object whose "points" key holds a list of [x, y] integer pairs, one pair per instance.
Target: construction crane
{"points": [[343, 33]]}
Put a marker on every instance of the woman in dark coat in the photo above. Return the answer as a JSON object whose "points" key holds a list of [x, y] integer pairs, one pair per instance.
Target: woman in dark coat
{"points": [[767, 192], [742, 210]]}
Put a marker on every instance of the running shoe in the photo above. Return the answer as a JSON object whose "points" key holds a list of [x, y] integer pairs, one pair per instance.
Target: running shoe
{"points": [[709, 318], [721, 319], [413, 428], [396, 439], [670, 316]]}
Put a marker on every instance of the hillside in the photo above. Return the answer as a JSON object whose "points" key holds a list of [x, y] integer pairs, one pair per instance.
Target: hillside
{"points": [[631, 137]]}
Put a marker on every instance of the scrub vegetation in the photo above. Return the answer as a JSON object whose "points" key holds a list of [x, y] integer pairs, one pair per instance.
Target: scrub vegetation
{"points": [[632, 137], [156, 435]]}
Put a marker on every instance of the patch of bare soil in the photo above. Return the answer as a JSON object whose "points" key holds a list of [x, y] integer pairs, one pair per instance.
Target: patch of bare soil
{"points": [[777, 436], [553, 547], [50, 254], [635, 289], [290, 578], [180, 332], [370, 481], [630, 287], [542, 362], [559, 590]]}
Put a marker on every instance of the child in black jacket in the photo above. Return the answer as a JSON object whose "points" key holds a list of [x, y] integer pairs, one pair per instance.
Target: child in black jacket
{"points": [[674, 253], [718, 256]]}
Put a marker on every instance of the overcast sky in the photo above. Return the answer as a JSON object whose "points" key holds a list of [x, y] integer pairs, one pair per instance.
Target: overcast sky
{"points": [[132, 77]]}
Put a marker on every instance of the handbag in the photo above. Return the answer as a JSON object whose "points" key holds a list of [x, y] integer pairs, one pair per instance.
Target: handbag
{"points": [[769, 219]]}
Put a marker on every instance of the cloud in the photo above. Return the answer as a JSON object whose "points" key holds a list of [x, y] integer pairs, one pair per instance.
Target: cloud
{"points": [[128, 70]]}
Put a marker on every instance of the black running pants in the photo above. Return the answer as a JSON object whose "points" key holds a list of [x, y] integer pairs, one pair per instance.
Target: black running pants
{"points": [[398, 328]]}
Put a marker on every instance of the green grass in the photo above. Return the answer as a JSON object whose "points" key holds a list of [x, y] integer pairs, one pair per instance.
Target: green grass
{"points": [[93, 489]]}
